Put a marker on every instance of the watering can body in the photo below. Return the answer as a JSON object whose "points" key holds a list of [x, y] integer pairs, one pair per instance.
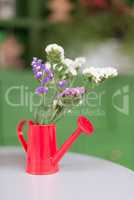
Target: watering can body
{"points": [[41, 148]]}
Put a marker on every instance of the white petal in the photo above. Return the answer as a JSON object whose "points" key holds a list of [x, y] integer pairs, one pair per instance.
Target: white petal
{"points": [[80, 61], [52, 47], [72, 71]]}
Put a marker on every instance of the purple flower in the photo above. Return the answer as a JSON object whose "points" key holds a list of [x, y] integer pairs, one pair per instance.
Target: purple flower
{"points": [[36, 62], [46, 80], [37, 66], [48, 71], [42, 73], [41, 90], [42, 66], [73, 92], [38, 74], [62, 83], [48, 77]]}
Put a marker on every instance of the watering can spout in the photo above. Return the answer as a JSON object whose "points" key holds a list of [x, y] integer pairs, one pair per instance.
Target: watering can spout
{"points": [[84, 125]]}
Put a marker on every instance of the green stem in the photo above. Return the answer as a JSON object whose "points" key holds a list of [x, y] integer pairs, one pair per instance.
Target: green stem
{"points": [[56, 113]]}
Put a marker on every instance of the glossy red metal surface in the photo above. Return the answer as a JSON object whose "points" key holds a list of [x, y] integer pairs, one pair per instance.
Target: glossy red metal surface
{"points": [[40, 148], [85, 125]]}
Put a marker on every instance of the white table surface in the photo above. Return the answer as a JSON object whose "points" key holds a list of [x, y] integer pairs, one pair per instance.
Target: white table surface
{"points": [[80, 178]]}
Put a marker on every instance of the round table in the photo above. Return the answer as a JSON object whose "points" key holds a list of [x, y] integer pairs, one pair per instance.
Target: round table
{"points": [[80, 177]]}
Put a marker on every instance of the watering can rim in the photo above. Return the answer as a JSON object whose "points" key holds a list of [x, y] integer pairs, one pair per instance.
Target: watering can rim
{"points": [[31, 123], [42, 125]]}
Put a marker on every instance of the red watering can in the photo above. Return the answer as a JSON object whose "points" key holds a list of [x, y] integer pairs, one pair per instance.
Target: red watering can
{"points": [[41, 148]]}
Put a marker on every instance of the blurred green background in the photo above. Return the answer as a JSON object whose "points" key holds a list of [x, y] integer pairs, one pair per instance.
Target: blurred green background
{"points": [[92, 31]]}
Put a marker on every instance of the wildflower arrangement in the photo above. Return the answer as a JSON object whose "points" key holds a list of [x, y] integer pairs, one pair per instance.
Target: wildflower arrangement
{"points": [[56, 77]]}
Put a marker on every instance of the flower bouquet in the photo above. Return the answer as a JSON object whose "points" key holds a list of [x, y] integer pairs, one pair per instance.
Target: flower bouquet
{"points": [[56, 78]]}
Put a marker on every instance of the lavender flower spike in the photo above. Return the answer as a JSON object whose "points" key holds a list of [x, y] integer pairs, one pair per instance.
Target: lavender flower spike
{"points": [[37, 66]]}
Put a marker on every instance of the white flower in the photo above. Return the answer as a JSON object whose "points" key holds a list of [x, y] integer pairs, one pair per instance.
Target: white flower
{"points": [[93, 72], [70, 63], [86, 71], [55, 47], [110, 72], [72, 71], [79, 62], [71, 66], [99, 74]]}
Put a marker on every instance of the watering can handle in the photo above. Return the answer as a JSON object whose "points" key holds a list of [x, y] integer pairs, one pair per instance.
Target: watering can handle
{"points": [[20, 133]]}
